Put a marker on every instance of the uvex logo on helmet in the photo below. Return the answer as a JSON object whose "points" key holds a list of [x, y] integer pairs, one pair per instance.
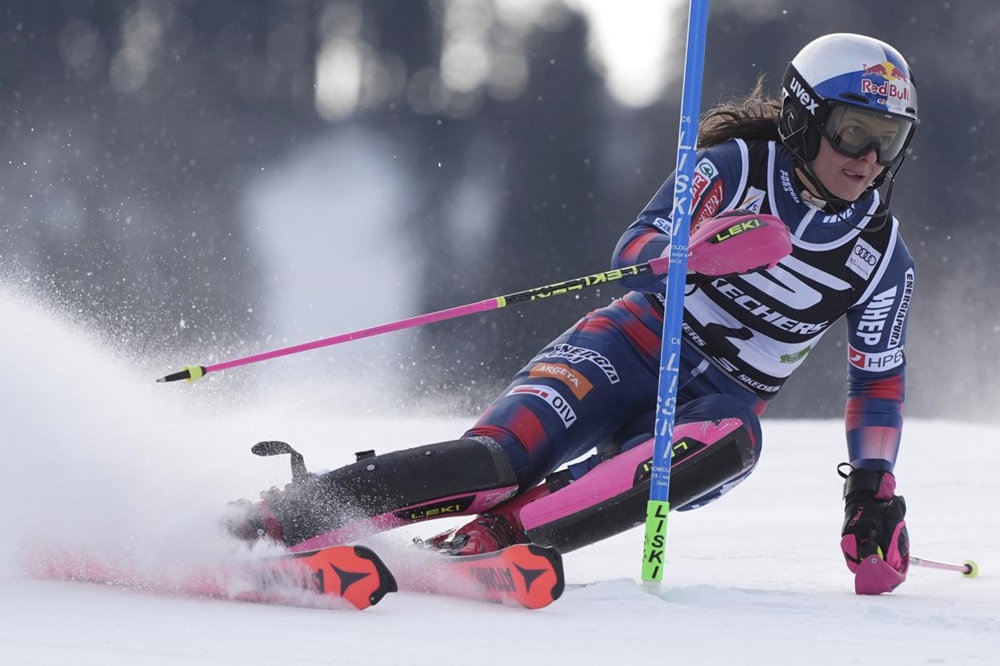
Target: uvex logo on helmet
{"points": [[805, 99]]}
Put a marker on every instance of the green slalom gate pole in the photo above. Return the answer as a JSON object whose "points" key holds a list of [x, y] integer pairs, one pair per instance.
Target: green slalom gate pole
{"points": [[666, 401]]}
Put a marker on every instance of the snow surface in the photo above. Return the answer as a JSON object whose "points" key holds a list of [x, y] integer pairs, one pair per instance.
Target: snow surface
{"points": [[98, 458]]}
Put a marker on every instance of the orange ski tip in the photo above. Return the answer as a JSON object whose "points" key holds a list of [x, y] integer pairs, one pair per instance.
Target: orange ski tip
{"points": [[525, 574], [353, 573], [541, 572]]}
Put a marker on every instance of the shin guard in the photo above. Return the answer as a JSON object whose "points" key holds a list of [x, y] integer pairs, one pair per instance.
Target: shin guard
{"points": [[612, 497], [381, 492]]}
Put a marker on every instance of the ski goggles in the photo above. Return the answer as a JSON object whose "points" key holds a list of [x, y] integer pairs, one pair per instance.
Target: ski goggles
{"points": [[854, 131]]}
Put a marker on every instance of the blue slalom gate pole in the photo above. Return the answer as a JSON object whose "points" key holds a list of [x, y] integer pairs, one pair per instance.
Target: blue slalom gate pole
{"points": [[666, 401]]}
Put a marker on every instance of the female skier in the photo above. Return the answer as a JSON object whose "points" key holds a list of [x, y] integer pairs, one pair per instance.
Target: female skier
{"points": [[806, 168]]}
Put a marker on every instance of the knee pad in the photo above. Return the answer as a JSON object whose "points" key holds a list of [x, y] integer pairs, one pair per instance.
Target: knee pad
{"points": [[380, 492], [707, 457]]}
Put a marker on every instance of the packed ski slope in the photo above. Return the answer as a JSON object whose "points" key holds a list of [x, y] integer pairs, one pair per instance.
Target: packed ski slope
{"points": [[98, 458]]}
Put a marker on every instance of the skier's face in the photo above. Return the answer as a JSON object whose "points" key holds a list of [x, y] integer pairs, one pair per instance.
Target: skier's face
{"points": [[845, 177]]}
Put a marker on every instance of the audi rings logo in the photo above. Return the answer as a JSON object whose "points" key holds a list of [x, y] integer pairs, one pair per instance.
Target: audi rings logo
{"points": [[863, 259], [865, 255]]}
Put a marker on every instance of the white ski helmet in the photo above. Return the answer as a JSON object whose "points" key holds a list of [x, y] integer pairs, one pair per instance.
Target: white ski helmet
{"points": [[854, 90]]}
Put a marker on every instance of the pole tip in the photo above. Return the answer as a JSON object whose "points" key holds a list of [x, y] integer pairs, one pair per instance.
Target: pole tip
{"points": [[190, 373], [651, 586], [971, 569]]}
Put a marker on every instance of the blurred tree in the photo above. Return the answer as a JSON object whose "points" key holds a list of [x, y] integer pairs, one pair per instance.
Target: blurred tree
{"points": [[132, 127], [538, 154]]}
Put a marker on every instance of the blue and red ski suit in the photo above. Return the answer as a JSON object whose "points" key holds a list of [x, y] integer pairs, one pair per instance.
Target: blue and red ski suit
{"points": [[595, 386]]}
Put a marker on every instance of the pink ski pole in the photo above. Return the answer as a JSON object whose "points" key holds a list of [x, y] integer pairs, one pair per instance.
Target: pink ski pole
{"points": [[656, 266], [969, 569]]}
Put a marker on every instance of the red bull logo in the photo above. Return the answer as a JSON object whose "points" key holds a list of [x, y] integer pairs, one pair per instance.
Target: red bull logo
{"points": [[886, 80], [885, 70], [896, 74]]}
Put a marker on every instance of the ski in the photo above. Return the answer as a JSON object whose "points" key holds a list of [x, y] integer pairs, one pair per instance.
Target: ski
{"points": [[334, 577], [525, 575]]}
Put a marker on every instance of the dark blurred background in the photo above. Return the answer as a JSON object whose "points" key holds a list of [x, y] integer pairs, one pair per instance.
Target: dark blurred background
{"points": [[204, 180]]}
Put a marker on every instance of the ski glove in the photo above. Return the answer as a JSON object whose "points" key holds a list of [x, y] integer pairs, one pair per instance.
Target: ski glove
{"points": [[873, 521], [738, 242]]}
